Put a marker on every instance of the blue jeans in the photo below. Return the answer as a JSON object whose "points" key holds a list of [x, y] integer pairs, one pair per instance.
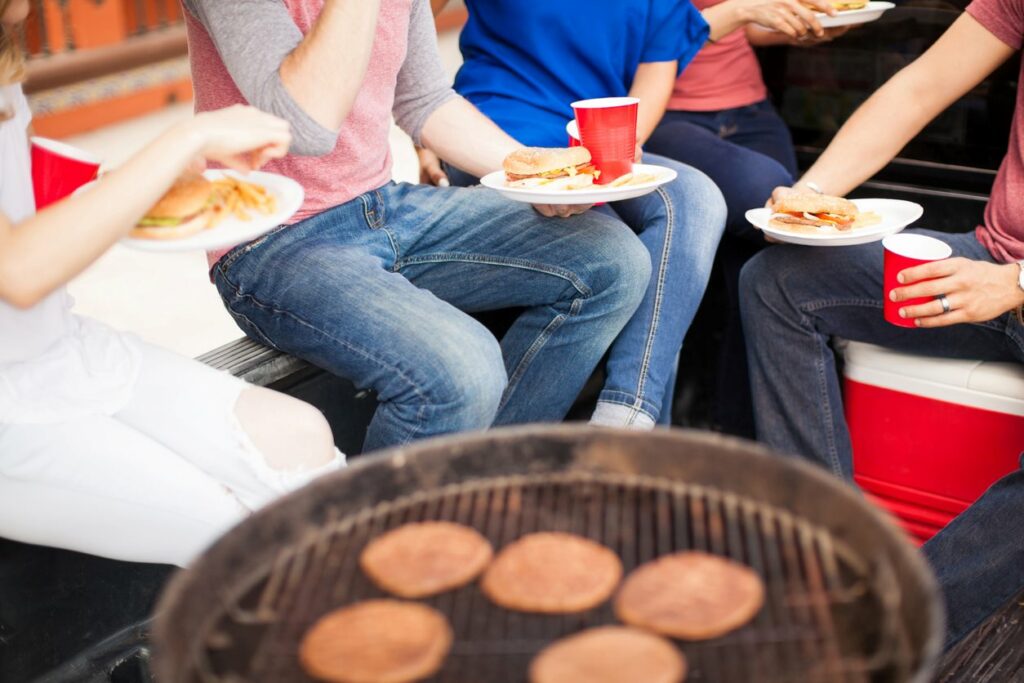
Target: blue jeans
{"points": [[979, 556], [377, 290], [680, 224], [795, 299], [748, 152]]}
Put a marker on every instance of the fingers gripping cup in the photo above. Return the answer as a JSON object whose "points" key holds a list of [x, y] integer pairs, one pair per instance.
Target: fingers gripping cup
{"points": [[608, 129], [902, 251], [59, 169]]}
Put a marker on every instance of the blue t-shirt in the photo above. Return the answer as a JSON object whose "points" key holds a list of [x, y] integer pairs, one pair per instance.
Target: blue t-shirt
{"points": [[526, 61]]}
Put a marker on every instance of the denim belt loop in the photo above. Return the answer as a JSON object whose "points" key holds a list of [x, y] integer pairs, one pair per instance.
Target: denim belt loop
{"points": [[373, 209]]}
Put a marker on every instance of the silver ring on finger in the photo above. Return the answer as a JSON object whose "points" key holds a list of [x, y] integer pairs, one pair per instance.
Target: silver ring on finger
{"points": [[941, 298]]}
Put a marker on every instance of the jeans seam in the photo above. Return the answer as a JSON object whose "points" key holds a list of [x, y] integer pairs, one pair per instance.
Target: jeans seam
{"points": [[535, 347], [818, 304], [370, 213], [263, 338], [228, 259], [522, 264], [645, 362], [424, 402], [819, 365]]}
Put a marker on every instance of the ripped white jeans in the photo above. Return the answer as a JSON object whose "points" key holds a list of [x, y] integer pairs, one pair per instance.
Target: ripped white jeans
{"points": [[161, 479]]}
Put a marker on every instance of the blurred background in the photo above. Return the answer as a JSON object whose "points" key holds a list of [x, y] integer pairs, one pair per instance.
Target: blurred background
{"points": [[108, 76]]}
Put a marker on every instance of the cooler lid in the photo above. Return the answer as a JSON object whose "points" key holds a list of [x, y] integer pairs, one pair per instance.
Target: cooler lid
{"points": [[989, 386]]}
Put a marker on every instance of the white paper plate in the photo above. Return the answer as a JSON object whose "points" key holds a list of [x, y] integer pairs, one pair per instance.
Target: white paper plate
{"points": [[868, 13], [872, 11], [592, 195], [896, 214], [231, 231]]}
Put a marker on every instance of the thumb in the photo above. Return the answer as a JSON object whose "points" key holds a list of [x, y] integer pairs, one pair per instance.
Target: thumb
{"points": [[438, 177]]}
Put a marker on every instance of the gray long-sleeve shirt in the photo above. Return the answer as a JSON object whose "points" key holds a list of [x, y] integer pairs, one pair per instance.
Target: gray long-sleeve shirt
{"points": [[253, 37]]}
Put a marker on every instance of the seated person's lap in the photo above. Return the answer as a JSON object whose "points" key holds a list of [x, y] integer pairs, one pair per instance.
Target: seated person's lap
{"points": [[840, 291]]}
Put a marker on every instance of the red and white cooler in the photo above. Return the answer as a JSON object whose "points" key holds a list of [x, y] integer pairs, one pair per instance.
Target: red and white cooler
{"points": [[930, 435]]}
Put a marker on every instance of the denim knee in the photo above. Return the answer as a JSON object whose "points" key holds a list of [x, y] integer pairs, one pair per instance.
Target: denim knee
{"points": [[750, 189], [756, 280], [766, 285], [704, 195], [471, 381], [623, 270]]}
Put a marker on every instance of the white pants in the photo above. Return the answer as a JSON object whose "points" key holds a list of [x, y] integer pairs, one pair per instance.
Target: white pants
{"points": [[164, 477]]}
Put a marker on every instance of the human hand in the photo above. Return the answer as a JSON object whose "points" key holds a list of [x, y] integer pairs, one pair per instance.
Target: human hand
{"points": [[779, 193], [810, 40], [240, 137], [431, 172], [976, 291], [561, 210], [790, 17], [638, 153]]}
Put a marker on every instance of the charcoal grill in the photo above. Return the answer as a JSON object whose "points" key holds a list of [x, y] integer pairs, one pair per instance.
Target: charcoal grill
{"points": [[848, 599]]}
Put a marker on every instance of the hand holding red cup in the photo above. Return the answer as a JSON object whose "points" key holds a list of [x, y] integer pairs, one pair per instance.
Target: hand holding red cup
{"points": [[58, 169], [902, 251]]}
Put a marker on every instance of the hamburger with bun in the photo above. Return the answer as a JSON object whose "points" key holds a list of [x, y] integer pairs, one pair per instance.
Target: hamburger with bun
{"points": [[817, 213], [847, 5], [551, 168], [186, 208]]}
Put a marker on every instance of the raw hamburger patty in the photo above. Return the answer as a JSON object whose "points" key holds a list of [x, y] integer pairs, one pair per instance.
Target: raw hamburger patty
{"points": [[426, 558], [377, 641], [609, 654], [552, 573], [690, 595]]}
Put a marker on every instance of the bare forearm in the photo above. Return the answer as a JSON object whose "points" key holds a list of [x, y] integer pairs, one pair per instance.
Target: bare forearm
{"points": [[436, 6], [724, 18], [458, 133], [758, 37], [325, 72], [52, 247], [871, 138], [652, 85], [883, 125]]}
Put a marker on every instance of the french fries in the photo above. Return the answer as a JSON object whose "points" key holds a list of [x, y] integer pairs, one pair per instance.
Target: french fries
{"points": [[238, 198], [632, 179]]}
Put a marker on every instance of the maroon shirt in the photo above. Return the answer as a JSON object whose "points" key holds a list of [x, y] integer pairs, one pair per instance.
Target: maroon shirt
{"points": [[1003, 231]]}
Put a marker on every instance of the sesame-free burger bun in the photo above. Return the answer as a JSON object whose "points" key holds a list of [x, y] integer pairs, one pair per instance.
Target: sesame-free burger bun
{"points": [[184, 210], [189, 195], [529, 161], [815, 203], [173, 232]]}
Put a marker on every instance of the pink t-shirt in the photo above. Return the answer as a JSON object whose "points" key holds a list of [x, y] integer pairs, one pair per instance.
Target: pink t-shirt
{"points": [[1003, 231], [723, 75], [361, 160]]}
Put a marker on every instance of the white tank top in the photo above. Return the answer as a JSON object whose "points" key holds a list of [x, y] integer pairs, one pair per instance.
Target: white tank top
{"points": [[53, 364], [24, 332]]}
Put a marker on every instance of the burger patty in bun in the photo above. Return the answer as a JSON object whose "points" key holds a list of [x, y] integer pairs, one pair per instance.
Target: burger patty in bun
{"points": [[847, 5], [553, 168], [184, 210], [813, 213]]}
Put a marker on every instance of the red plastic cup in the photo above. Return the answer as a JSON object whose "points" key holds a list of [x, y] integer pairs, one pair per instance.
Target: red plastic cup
{"points": [[608, 129], [59, 169], [572, 129], [902, 251]]}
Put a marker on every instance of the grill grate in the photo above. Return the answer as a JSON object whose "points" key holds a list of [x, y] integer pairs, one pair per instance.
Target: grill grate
{"points": [[824, 618]]}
